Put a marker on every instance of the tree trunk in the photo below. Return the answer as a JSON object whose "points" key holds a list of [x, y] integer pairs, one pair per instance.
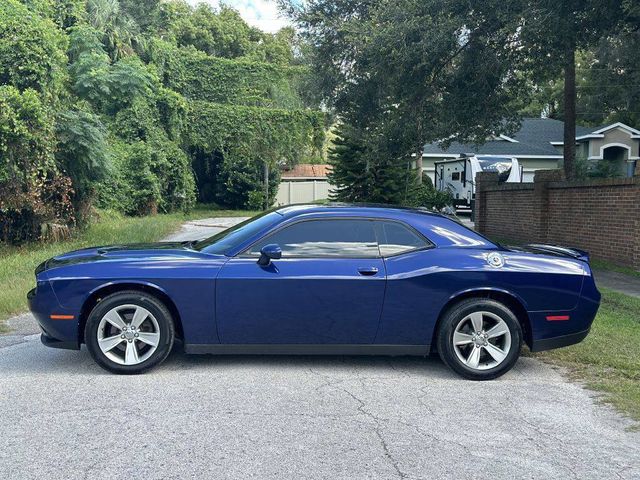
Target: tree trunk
{"points": [[419, 166], [570, 113], [266, 186]]}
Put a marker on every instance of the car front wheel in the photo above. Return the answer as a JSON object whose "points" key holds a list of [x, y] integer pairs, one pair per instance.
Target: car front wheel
{"points": [[480, 339], [129, 332]]}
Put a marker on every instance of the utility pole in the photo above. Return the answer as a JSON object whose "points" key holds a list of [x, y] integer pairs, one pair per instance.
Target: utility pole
{"points": [[569, 150]]}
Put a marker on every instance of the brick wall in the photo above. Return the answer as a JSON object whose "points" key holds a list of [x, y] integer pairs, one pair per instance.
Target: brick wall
{"points": [[600, 216]]}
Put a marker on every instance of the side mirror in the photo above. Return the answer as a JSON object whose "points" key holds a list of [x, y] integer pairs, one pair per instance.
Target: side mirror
{"points": [[268, 253]]}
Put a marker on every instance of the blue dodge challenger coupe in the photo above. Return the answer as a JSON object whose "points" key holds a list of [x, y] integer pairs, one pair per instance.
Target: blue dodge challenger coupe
{"points": [[320, 279]]}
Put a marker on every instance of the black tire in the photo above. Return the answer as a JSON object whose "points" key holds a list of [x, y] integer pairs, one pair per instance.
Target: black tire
{"points": [[455, 315], [130, 297]]}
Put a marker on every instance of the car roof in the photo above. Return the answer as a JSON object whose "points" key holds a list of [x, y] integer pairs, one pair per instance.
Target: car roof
{"points": [[373, 209], [440, 229]]}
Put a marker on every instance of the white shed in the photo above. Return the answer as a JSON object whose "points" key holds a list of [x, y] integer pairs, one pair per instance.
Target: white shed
{"points": [[304, 183]]}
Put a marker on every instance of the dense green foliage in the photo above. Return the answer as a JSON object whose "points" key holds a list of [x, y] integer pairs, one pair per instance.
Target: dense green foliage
{"points": [[408, 72], [32, 50], [607, 84], [120, 103], [360, 175], [32, 73], [227, 137], [31, 186], [197, 75]]}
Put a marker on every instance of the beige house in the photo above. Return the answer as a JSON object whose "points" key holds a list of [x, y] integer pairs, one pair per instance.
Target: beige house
{"points": [[538, 145], [304, 183], [617, 143]]}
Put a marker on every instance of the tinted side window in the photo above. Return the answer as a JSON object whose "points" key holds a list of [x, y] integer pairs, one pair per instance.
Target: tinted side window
{"points": [[395, 238], [324, 238]]}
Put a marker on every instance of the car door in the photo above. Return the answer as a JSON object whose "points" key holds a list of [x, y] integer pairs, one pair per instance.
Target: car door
{"points": [[327, 288], [412, 297]]}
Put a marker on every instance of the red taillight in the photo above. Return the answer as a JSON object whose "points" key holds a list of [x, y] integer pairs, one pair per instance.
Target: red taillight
{"points": [[557, 318]]}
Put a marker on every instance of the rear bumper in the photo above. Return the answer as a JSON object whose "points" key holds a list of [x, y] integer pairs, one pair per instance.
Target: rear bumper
{"points": [[558, 342]]}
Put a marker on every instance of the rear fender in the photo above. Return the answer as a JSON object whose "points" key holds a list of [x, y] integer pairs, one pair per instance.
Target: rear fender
{"points": [[512, 300]]}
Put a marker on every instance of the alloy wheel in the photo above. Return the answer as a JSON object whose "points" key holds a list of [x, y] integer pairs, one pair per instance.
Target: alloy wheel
{"points": [[128, 334], [481, 340]]}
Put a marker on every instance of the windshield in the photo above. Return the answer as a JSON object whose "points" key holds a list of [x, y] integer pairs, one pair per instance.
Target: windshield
{"points": [[224, 241]]}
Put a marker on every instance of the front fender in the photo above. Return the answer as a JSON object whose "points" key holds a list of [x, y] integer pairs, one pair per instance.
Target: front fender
{"points": [[188, 284]]}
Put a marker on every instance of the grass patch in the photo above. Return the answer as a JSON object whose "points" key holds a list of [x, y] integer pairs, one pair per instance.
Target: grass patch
{"points": [[18, 263], [608, 360], [604, 265], [207, 210]]}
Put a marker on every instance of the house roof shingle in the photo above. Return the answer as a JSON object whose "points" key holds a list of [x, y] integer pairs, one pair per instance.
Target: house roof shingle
{"points": [[533, 138], [307, 170]]}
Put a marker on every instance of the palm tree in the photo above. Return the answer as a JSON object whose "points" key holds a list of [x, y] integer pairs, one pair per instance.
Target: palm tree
{"points": [[120, 32]]}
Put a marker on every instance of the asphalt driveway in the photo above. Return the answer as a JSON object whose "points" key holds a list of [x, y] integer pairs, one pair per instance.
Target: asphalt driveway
{"points": [[61, 416]]}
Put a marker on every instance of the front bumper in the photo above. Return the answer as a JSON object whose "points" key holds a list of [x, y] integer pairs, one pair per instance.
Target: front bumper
{"points": [[48, 341], [558, 342], [55, 333]]}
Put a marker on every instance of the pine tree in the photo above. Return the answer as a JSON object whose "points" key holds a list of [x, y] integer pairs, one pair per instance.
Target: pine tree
{"points": [[362, 172], [349, 169]]}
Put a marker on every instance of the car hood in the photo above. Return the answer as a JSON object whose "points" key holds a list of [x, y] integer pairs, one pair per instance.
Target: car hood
{"points": [[137, 251]]}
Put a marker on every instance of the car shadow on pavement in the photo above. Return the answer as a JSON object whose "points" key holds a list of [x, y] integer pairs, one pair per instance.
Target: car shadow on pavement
{"points": [[368, 366], [30, 357]]}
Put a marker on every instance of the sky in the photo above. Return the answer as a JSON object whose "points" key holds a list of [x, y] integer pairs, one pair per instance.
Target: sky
{"points": [[258, 13]]}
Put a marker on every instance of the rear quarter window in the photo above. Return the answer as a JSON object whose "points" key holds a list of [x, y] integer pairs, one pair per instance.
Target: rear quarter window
{"points": [[395, 238]]}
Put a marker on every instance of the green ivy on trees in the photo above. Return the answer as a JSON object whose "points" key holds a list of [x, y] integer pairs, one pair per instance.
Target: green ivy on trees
{"points": [[33, 192], [199, 76], [235, 142], [150, 176], [32, 50], [141, 106], [270, 133]]}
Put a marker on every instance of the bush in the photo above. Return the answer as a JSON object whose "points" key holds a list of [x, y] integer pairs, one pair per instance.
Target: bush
{"points": [[32, 50], [32, 190], [94, 108], [427, 196], [241, 184], [599, 169], [149, 177], [133, 189], [199, 76], [83, 152]]}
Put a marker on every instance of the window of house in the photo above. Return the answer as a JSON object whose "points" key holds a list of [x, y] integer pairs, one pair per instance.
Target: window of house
{"points": [[324, 238]]}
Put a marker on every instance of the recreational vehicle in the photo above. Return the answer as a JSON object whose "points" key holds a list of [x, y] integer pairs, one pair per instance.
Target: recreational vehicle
{"points": [[458, 175]]}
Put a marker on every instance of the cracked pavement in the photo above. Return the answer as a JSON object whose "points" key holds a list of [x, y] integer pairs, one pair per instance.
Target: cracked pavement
{"points": [[298, 417]]}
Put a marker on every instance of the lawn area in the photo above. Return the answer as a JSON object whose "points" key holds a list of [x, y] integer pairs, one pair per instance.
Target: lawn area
{"points": [[608, 360], [605, 265], [18, 263]]}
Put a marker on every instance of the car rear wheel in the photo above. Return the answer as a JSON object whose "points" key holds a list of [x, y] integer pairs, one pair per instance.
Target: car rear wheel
{"points": [[129, 332], [480, 339]]}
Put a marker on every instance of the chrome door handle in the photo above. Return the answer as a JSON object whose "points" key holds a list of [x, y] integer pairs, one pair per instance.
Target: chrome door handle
{"points": [[367, 271]]}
